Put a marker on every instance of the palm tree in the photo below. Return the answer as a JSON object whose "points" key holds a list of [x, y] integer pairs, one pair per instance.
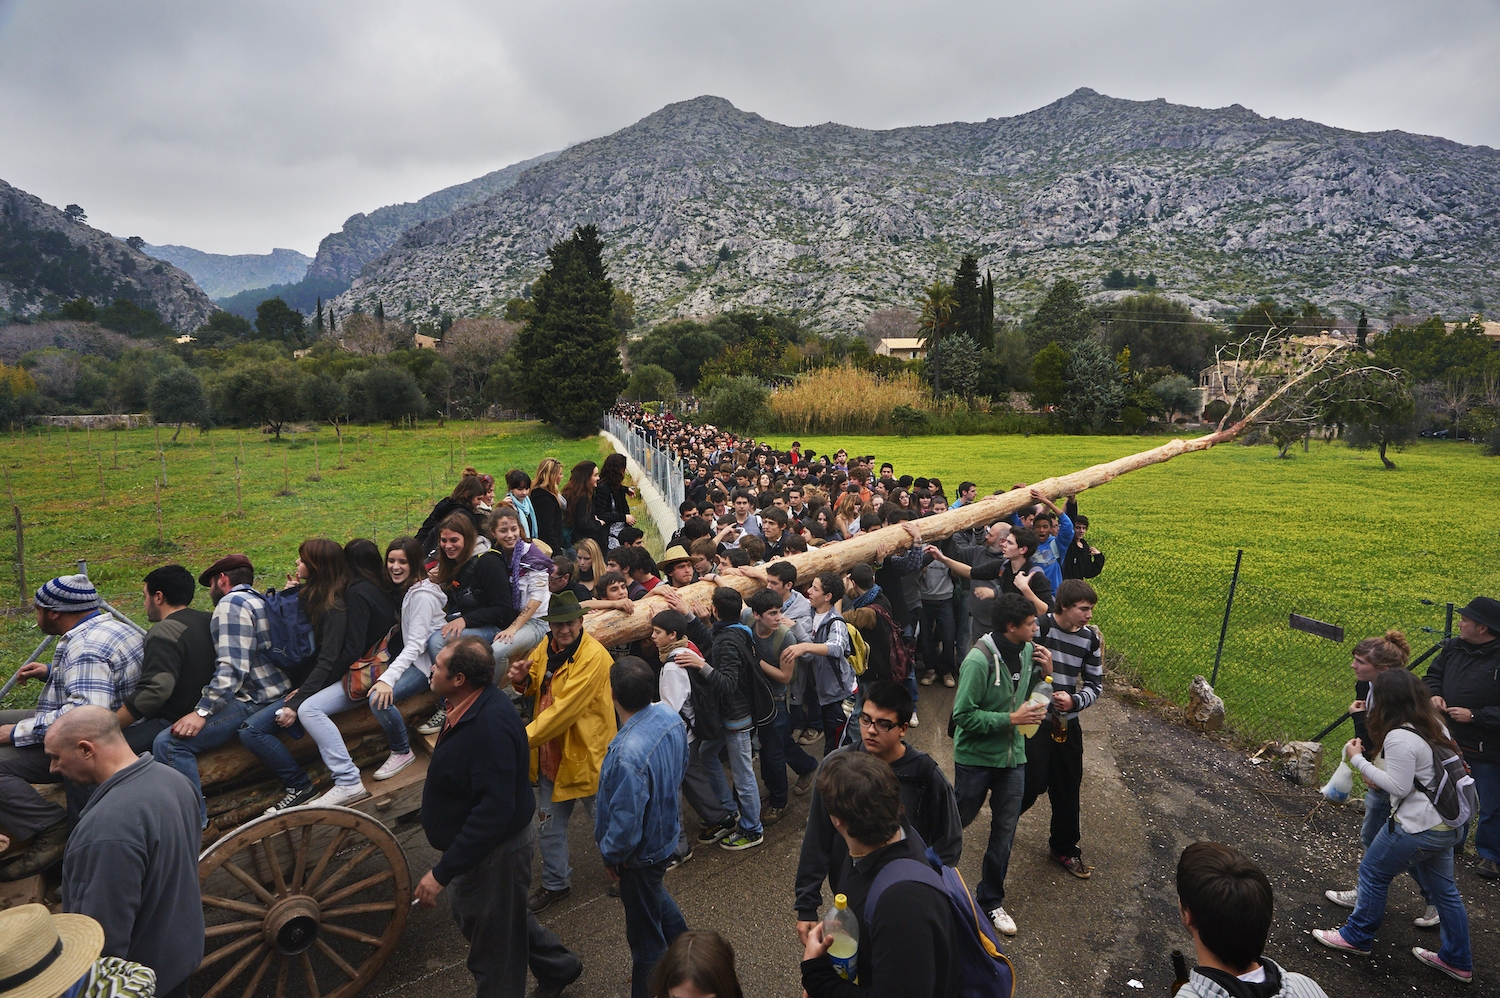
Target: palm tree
{"points": [[936, 323]]}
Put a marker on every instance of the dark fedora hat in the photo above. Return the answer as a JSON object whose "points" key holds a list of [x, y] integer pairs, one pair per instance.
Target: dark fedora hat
{"points": [[563, 607], [1484, 610]]}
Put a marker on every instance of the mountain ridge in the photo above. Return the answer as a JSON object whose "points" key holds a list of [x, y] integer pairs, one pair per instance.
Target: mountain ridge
{"points": [[831, 221], [224, 274]]}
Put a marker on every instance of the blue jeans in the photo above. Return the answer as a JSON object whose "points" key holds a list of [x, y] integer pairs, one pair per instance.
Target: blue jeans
{"points": [[435, 640], [1487, 782], [259, 735], [1006, 789], [1377, 810], [552, 834], [1430, 857], [937, 630], [652, 921], [316, 717], [746, 790], [182, 753], [778, 750]]}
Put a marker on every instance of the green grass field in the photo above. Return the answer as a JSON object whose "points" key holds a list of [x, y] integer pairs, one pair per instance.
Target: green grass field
{"points": [[1327, 534], [387, 487]]}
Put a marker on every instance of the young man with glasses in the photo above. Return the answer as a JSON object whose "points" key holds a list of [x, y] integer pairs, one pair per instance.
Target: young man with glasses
{"points": [[928, 797]]}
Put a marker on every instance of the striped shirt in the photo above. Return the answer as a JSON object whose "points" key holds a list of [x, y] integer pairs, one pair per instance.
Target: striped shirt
{"points": [[241, 632], [1075, 655], [97, 662]]}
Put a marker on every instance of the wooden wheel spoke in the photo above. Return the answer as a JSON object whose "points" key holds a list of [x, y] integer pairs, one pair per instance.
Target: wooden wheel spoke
{"points": [[231, 928], [355, 888], [348, 933], [282, 967], [229, 904], [311, 978], [359, 909], [300, 867], [255, 979], [209, 959], [337, 960], [237, 873], [328, 854], [237, 970], [273, 860], [354, 861]]}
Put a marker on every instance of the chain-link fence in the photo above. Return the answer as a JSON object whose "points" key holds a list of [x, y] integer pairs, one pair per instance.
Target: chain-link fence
{"points": [[660, 466], [1163, 623]]}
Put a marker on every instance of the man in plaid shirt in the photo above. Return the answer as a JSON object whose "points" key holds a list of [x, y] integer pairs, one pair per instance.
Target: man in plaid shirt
{"points": [[243, 680], [97, 661]]}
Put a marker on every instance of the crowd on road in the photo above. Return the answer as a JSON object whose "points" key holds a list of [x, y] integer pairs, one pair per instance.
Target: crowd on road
{"points": [[819, 677]]}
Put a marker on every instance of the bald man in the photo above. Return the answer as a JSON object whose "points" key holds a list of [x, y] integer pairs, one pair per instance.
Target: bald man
{"points": [[132, 862]]}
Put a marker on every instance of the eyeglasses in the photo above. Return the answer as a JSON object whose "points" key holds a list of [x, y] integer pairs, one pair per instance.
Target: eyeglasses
{"points": [[884, 724]]}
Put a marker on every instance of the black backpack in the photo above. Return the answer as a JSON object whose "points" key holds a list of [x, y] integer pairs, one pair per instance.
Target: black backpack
{"points": [[756, 686]]}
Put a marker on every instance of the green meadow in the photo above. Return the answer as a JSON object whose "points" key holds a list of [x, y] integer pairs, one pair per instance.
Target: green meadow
{"points": [[1327, 534]]}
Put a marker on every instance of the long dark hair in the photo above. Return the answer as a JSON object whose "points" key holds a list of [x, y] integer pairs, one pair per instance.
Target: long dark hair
{"points": [[471, 486], [613, 472], [327, 577], [579, 491], [458, 523], [364, 562], [701, 956], [1400, 699], [415, 561]]}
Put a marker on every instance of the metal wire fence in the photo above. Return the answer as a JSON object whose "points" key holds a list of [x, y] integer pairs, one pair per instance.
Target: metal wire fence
{"points": [[660, 466], [1166, 622]]}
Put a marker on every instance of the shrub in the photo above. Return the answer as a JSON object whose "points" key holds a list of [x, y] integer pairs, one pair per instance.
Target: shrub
{"points": [[845, 399], [649, 382], [739, 404], [908, 420]]}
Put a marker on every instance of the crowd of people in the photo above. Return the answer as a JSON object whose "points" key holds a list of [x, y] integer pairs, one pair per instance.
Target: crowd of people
{"points": [[487, 606]]}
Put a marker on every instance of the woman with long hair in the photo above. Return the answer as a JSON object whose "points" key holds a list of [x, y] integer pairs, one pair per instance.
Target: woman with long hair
{"points": [[702, 960], [476, 584], [529, 570], [612, 500], [583, 482], [369, 616], [591, 563], [822, 526], [846, 515], [472, 497], [322, 575], [1407, 743], [547, 504]]}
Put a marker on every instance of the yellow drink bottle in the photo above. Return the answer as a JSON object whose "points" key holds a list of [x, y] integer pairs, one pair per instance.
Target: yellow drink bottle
{"points": [[840, 926], [1042, 694]]}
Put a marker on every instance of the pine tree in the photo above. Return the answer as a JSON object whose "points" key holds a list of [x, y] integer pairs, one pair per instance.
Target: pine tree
{"points": [[966, 297], [1062, 317], [567, 360], [986, 337]]}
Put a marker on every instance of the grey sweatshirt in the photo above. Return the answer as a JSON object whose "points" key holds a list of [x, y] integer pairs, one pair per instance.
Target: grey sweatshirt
{"points": [[132, 866]]}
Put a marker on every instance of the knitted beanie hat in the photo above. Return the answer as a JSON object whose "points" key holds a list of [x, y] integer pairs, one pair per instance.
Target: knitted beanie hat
{"points": [[68, 594]]}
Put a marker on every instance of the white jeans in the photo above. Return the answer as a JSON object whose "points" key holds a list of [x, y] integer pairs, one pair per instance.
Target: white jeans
{"points": [[316, 715], [528, 636]]}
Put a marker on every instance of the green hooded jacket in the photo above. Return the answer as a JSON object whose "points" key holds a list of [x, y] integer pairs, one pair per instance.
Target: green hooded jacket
{"points": [[988, 692]]}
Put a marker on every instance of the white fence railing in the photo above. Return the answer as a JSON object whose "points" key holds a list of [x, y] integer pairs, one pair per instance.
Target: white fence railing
{"points": [[664, 470]]}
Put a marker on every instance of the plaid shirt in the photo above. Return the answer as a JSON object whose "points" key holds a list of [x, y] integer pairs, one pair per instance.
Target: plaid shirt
{"points": [[241, 632], [97, 662]]}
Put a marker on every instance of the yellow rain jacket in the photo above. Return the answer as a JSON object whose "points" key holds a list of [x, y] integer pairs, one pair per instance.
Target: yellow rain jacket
{"points": [[582, 714]]}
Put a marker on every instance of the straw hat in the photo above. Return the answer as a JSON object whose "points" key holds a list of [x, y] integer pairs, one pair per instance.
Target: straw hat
{"points": [[673, 555], [42, 954]]}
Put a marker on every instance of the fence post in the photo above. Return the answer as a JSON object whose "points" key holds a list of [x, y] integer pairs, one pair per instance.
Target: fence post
{"points": [[21, 556], [1448, 624], [1234, 581]]}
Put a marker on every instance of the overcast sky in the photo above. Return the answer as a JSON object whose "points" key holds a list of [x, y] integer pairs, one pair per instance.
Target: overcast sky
{"points": [[236, 127]]}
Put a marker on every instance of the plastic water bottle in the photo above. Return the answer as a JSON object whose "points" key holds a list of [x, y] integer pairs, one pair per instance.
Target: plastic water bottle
{"points": [[1340, 783], [1042, 694], [840, 926]]}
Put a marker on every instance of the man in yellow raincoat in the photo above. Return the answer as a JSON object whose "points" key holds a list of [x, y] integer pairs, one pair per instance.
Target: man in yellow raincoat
{"points": [[566, 678]]}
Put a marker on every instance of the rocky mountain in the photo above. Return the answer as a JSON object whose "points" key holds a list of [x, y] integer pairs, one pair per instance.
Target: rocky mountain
{"points": [[222, 274], [705, 207], [48, 258]]}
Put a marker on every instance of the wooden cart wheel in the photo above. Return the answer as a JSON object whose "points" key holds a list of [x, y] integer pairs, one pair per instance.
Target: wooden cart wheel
{"points": [[313, 899]]}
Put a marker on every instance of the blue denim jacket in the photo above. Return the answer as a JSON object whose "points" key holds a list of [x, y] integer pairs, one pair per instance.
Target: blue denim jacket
{"points": [[638, 816]]}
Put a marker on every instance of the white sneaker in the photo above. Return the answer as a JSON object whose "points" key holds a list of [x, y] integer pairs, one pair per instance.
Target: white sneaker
{"points": [[343, 796], [914, 719], [1344, 899], [1004, 924], [395, 764], [1428, 919]]}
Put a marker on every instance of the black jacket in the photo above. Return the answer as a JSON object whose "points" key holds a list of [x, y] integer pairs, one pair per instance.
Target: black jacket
{"points": [[427, 534], [1468, 675], [346, 634], [906, 951], [1078, 563], [611, 504], [931, 807], [584, 524], [549, 519], [478, 790], [481, 592], [730, 660], [179, 661]]}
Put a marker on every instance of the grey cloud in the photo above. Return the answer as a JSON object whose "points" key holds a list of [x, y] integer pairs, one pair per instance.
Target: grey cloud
{"points": [[238, 127]]}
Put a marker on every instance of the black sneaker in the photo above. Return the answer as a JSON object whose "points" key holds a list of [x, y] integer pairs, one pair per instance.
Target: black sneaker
{"points": [[293, 798], [709, 834], [541, 899], [679, 860]]}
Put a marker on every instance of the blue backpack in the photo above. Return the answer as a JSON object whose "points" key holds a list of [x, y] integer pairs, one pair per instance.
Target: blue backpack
{"points": [[291, 633], [978, 965]]}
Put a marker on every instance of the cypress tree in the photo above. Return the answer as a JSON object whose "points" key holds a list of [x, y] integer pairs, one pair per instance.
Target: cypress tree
{"points": [[986, 337], [966, 311], [567, 356], [318, 325], [1362, 331]]}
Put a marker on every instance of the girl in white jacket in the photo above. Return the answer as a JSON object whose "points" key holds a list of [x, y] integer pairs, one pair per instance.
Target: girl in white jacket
{"points": [[422, 605]]}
